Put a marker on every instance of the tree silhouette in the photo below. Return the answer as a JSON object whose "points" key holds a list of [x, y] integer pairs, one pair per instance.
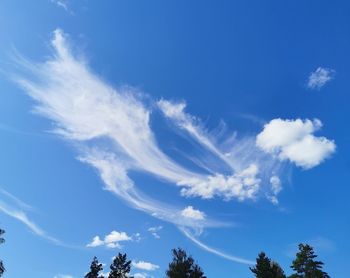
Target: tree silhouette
{"points": [[183, 266], [2, 240], [265, 268], [305, 266], [120, 267], [95, 269]]}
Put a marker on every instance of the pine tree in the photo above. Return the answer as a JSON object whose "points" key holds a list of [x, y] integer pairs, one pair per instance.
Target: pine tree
{"points": [[305, 266], [265, 268], [120, 267], [95, 269], [183, 266], [2, 240]]}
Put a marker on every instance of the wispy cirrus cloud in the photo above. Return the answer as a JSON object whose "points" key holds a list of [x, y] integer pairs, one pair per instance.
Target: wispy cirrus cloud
{"points": [[85, 108], [64, 4], [18, 201], [212, 250], [320, 77], [113, 132], [16, 208]]}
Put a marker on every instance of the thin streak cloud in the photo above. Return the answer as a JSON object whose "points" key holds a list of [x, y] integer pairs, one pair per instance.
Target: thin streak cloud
{"points": [[18, 210], [213, 250], [22, 217]]}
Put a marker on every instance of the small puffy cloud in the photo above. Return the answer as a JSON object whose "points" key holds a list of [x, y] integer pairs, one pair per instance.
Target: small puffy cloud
{"points": [[192, 213], [136, 237], [96, 241], [320, 77], [145, 265], [293, 140], [154, 231], [241, 185], [111, 240], [173, 110], [63, 276]]}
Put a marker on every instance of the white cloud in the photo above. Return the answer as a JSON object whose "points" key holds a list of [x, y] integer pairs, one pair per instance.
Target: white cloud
{"points": [[63, 276], [145, 265], [320, 77], [136, 237], [19, 202], [85, 108], [190, 212], [276, 188], [96, 241], [112, 131], [19, 214], [121, 185], [276, 184], [209, 249], [111, 240], [293, 140], [243, 185], [176, 112], [154, 231], [61, 3]]}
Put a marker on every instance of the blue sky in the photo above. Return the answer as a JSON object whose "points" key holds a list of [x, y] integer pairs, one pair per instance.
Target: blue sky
{"points": [[140, 126]]}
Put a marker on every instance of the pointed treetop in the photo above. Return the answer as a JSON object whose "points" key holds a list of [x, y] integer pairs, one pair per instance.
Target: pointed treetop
{"points": [[183, 266], [95, 269], [304, 264], [120, 267], [265, 268]]}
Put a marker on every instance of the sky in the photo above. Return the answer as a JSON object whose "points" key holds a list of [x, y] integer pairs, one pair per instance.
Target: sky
{"points": [[142, 126]]}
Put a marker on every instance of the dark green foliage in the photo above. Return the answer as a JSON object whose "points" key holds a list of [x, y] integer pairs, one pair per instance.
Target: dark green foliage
{"points": [[2, 240], [265, 268], [120, 267], [183, 266], [305, 266], [95, 269]]}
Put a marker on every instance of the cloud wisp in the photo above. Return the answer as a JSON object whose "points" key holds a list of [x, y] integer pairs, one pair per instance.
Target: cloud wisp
{"points": [[209, 249], [320, 77], [155, 231], [61, 4], [16, 208], [113, 132]]}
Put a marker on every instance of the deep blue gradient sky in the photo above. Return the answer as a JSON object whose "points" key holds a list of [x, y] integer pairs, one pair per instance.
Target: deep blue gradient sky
{"points": [[238, 64]]}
